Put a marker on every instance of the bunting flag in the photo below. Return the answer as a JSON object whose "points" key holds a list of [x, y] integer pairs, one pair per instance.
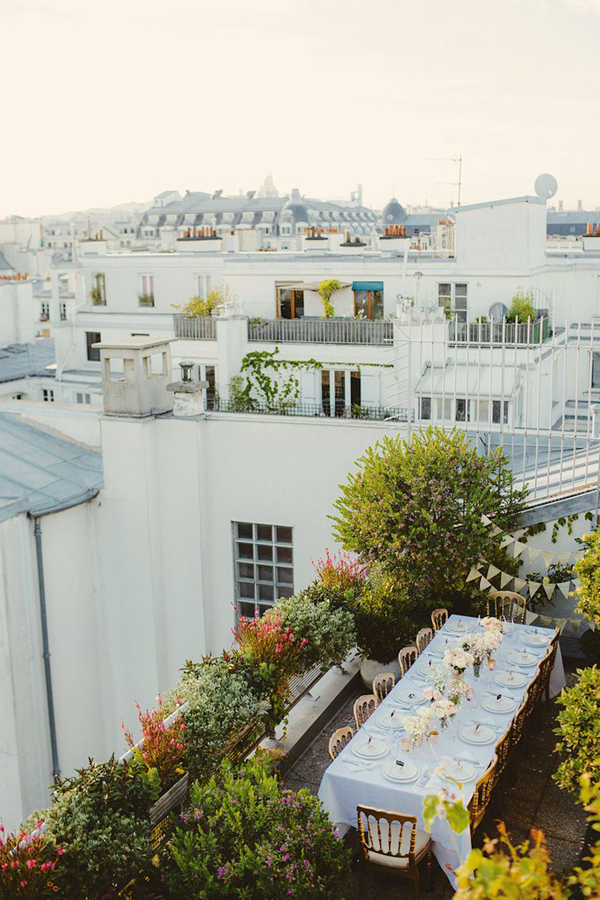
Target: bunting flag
{"points": [[564, 588], [505, 579], [496, 531], [486, 520], [519, 583], [533, 553], [534, 587], [530, 617], [484, 584], [519, 547], [519, 534], [506, 540], [561, 624], [548, 557], [564, 558], [549, 588], [492, 571], [546, 621], [473, 574], [575, 625]]}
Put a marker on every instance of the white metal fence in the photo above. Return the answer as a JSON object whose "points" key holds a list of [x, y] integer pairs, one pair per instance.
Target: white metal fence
{"points": [[529, 390], [321, 331]]}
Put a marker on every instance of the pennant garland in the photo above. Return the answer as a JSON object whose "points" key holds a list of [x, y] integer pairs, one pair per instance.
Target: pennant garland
{"points": [[473, 574], [492, 571], [505, 579]]}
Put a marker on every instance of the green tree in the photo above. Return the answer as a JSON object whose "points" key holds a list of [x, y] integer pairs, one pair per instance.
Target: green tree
{"points": [[579, 730], [416, 508], [204, 306], [521, 307]]}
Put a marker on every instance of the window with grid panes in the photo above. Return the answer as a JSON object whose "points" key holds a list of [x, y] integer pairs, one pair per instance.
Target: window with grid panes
{"points": [[264, 566]]}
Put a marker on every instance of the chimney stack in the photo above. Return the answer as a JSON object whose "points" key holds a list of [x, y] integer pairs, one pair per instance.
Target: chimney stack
{"points": [[134, 377], [561, 206], [188, 394]]}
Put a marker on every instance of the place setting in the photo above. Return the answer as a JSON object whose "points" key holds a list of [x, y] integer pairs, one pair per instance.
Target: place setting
{"points": [[498, 703], [522, 658], [401, 771], [510, 679], [457, 628], [477, 733]]}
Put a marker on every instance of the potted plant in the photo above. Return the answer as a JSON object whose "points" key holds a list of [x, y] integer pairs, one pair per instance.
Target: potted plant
{"points": [[146, 299]]}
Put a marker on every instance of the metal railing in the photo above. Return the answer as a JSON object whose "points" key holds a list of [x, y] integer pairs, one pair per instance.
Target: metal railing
{"points": [[499, 332], [352, 413], [195, 328], [321, 331]]}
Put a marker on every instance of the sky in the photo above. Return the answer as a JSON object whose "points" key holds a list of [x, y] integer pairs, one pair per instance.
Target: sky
{"points": [[111, 102]]}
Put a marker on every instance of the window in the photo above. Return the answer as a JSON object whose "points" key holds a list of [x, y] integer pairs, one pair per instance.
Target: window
{"points": [[93, 353], [203, 286], [98, 292], [48, 396], [146, 297], [463, 410], [368, 304], [497, 407], [290, 303], [453, 298], [208, 373], [425, 407], [63, 312], [84, 398], [263, 561], [44, 312], [595, 371]]}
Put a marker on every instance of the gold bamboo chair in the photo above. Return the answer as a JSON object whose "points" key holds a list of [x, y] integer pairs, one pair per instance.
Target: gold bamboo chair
{"points": [[424, 636], [508, 604], [406, 657], [523, 713], [383, 684], [482, 795], [439, 617], [392, 843], [363, 708], [339, 739], [547, 664]]}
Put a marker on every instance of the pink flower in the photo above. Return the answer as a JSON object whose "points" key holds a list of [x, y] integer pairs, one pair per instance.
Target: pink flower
{"points": [[30, 864]]}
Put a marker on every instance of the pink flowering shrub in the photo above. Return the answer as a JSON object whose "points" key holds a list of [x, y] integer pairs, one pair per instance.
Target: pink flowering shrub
{"points": [[244, 836], [163, 746], [269, 641], [340, 570], [27, 865]]}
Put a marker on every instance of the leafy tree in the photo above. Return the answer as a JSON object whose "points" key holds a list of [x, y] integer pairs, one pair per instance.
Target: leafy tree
{"points": [[521, 307], [579, 730], [587, 569], [416, 508], [204, 306]]}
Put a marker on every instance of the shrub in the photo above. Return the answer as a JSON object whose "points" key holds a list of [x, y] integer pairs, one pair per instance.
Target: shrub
{"points": [[386, 618], [340, 571], [416, 508], [198, 307], [244, 837], [27, 865], [163, 748], [521, 307], [100, 816], [329, 632], [579, 730], [221, 705], [587, 569], [327, 289]]}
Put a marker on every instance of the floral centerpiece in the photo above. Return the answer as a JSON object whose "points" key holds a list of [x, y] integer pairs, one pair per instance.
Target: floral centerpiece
{"points": [[420, 726], [458, 659], [458, 690], [444, 709]]}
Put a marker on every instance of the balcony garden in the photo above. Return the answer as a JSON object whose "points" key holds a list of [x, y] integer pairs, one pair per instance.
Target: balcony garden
{"points": [[196, 807]]}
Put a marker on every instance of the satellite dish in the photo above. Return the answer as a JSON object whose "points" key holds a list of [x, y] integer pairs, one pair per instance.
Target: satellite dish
{"points": [[497, 312], [546, 186]]}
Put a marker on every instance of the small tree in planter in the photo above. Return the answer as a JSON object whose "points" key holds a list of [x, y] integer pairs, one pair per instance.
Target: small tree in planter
{"points": [[200, 307], [416, 508], [579, 730], [521, 307]]}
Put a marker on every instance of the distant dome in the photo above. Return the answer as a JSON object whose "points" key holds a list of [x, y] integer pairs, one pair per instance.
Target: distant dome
{"points": [[295, 209], [393, 213]]}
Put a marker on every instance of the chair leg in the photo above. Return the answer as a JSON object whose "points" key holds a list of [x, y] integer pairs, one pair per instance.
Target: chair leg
{"points": [[416, 884], [429, 870], [361, 879]]}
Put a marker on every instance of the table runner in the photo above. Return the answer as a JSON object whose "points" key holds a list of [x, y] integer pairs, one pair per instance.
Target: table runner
{"points": [[342, 790]]}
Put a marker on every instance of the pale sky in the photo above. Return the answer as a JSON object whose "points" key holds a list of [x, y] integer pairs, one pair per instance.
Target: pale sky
{"points": [[110, 102]]}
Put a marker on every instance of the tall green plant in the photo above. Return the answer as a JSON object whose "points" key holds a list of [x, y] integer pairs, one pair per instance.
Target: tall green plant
{"points": [[199, 307], [579, 730], [416, 508], [587, 569], [521, 307], [327, 289]]}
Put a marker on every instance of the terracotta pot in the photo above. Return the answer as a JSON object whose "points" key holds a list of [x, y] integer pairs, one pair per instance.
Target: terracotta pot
{"points": [[369, 668]]}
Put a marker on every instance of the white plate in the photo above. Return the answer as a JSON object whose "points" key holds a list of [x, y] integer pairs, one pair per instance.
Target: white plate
{"points": [[535, 640], [458, 628], [407, 772], [504, 705], [425, 669], [511, 679], [459, 771], [485, 735], [522, 659], [390, 719], [374, 750], [406, 694]]}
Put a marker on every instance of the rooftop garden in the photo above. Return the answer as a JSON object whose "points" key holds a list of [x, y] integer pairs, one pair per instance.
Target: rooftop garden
{"points": [[196, 809]]}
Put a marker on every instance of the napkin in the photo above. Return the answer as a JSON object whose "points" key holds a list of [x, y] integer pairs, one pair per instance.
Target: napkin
{"points": [[465, 756], [357, 765]]}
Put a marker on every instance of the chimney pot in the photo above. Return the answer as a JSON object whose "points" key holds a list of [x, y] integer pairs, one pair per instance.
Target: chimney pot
{"points": [[186, 371]]}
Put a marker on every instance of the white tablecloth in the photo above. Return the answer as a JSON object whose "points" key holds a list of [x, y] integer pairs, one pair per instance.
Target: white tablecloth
{"points": [[343, 789]]}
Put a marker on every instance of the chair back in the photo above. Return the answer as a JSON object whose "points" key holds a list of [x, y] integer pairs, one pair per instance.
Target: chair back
{"points": [[502, 752], [406, 657], [438, 617], [339, 739], [547, 664], [383, 684], [508, 604], [516, 731], [424, 636], [482, 795], [363, 707], [386, 833]]}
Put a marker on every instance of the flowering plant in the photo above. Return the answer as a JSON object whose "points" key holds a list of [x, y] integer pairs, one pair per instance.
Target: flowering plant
{"points": [[268, 640], [490, 623], [458, 690], [244, 836], [27, 863], [432, 693], [444, 709], [438, 677], [340, 570], [491, 640], [162, 747], [417, 726], [458, 659]]}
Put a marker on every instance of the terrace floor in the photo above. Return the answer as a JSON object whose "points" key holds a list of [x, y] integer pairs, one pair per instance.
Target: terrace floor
{"points": [[531, 798]]}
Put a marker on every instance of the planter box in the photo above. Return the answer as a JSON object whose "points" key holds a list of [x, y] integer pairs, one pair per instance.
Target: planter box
{"points": [[171, 800]]}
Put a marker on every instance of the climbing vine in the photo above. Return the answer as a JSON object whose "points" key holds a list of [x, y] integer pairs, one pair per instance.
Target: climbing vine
{"points": [[326, 289]]}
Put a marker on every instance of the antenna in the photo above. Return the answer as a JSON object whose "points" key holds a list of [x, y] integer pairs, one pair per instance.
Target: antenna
{"points": [[454, 159]]}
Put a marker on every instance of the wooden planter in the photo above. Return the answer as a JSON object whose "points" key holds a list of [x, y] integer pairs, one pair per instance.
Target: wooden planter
{"points": [[171, 800]]}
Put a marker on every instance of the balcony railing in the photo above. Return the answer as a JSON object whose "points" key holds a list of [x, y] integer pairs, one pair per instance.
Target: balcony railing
{"points": [[498, 332], [321, 331], [352, 413], [197, 328]]}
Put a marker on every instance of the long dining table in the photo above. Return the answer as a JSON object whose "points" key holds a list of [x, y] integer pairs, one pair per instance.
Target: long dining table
{"points": [[464, 749]]}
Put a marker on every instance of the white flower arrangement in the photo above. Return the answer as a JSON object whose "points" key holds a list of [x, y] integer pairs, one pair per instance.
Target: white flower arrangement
{"points": [[458, 690], [458, 658], [444, 709], [432, 693], [490, 623], [438, 676], [416, 726]]}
